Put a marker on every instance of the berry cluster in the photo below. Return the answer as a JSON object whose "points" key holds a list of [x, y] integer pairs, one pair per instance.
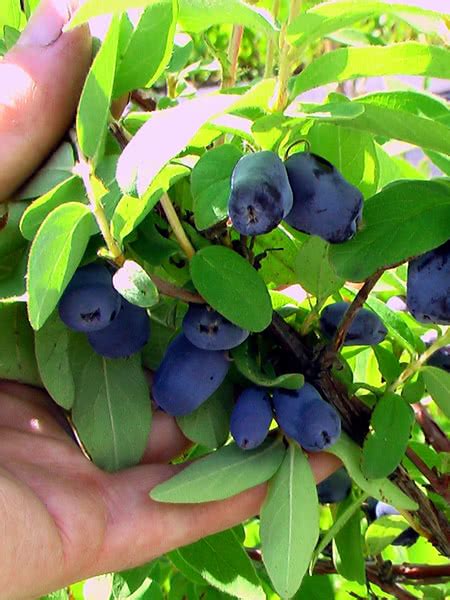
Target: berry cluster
{"points": [[201, 350], [306, 190], [115, 328]]}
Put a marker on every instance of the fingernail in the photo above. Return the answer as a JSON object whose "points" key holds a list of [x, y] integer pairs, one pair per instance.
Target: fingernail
{"points": [[46, 24]]}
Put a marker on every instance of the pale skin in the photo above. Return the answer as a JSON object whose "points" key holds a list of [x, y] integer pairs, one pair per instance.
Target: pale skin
{"points": [[60, 515]]}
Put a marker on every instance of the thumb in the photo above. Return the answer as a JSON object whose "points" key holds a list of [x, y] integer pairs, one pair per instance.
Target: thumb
{"points": [[41, 79]]}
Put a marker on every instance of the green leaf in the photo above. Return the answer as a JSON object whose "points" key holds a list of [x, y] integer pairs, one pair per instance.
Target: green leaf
{"points": [[138, 67], [222, 561], [9, 14], [246, 364], [401, 125], [437, 382], [69, 190], [328, 17], [152, 147], [195, 16], [55, 254], [383, 532], [11, 239], [93, 108], [382, 489], [131, 211], [316, 587], [54, 344], [112, 410], [352, 153], [224, 279], [13, 276], [388, 363], [56, 170], [348, 547], [276, 252], [135, 285], [211, 185], [393, 229], [290, 522], [222, 474], [314, 270], [209, 424], [17, 360], [185, 567], [406, 58], [95, 8], [385, 445]]}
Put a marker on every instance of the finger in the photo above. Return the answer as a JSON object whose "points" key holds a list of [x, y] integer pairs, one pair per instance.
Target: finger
{"points": [[30, 410], [140, 529], [166, 440], [41, 79]]}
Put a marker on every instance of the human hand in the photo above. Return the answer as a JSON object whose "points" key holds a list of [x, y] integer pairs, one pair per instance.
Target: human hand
{"points": [[62, 516]]}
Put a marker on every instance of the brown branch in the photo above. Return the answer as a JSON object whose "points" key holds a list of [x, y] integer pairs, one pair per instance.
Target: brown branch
{"points": [[434, 435], [168, 289], [147, 104], [339, 337], [355, 420], [439, 484]]}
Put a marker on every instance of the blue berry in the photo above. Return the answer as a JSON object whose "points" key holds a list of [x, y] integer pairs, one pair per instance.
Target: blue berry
{"points": [[251, 418], [208, 330]]}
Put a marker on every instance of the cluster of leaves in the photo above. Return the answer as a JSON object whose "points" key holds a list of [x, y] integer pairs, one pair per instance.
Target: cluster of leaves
{"points": [[153, 188]]}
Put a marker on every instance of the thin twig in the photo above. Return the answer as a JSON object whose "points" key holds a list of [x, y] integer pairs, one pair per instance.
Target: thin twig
{"points": [[84, 170], [270, 53], [177, 228], [439, 485], [147, 104], [434, 435], [168, 289], [233, 56], [417, 364]]}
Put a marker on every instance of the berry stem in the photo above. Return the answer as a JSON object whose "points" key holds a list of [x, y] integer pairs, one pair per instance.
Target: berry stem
{"points": [[419, 363], [268, 69], [177, 228]]}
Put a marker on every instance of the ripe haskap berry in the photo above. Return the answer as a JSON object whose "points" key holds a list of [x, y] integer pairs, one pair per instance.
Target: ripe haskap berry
{"points": [[187, 376], [334, 488], [305, 416], [90, 303], [407, 537], [208, 330], [325, 204], [126, 335], [428, 286], [260, 193], [366, 328], [251, 418]]}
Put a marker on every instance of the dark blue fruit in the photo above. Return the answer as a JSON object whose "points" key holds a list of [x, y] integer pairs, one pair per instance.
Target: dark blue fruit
{"points": [[208, 330], [89, 303], [334, 488], [251, 418], [428, 286], [407, 537], [260, 193], [440, 359], [305, 416], [366, 328], [126, 335], [325, 204], [187, 376]]}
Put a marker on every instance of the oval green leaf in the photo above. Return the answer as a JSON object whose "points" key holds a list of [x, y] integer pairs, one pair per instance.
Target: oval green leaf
{"points": [[222, 474], [393, 228], [55, 254], [290, 522], [437, 382], [211, 184], [135, 285], [225, 281]]}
